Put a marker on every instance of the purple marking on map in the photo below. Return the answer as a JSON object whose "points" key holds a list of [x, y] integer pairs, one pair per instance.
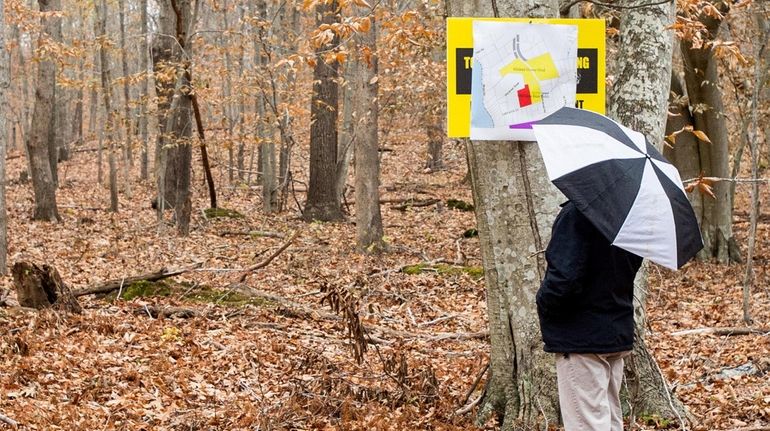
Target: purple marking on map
{"points": [[522, 125]]}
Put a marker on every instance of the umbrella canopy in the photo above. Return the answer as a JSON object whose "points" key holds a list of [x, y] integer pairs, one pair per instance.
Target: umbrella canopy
{"points": [[621, 183]]}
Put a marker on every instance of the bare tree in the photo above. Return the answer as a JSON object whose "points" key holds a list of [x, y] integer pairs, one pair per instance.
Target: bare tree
{"points": [[515, 206], [705, 99], [760, 75], [41, 127], [4, 86], [369, 230], [639, 100], [323, 202], [145, 92], [127, 120], [100, 30]]}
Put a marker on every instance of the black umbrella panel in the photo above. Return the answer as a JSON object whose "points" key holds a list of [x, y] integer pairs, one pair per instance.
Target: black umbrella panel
{"points": [[621, 183]]}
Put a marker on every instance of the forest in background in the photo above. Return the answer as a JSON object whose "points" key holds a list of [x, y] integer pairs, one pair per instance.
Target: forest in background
{"points": [[276, 175]]}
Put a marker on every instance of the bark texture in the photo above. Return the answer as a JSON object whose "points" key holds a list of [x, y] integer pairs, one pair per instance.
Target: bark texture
{"points": [[145, 92], [515, 207], [369, 229], [4, 85], [41, 127], [41, 286], [639, 99], [705, 98], [100, 30], [323, 202]]}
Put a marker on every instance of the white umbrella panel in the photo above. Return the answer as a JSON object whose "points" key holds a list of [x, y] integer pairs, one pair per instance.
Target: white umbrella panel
{"points": [[621, 183]]}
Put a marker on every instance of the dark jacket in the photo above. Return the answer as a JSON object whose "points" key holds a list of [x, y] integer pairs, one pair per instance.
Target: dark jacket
{"points": [[585, 302]]}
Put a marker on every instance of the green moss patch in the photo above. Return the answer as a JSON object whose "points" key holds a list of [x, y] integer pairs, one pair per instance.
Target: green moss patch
{"points": [[144, 289], [188, 293], [222, 213]]}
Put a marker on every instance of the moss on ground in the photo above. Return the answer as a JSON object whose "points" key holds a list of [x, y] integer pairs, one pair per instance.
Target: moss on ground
{"points": [[188, 292], [222, 213]]}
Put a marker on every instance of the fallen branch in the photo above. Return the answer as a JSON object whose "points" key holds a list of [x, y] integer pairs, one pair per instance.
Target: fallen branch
{"points": [[7, 420], [269, 259], [157, 312], [721, 331], [303, 311], [253, 233], [109, 286]]}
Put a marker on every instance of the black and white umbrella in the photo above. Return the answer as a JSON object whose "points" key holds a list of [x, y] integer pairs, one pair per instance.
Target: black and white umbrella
{"points": [[621, 183]]}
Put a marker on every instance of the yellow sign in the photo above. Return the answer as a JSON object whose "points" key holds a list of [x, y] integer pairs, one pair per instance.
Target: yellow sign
{"points": [[590, 67]]}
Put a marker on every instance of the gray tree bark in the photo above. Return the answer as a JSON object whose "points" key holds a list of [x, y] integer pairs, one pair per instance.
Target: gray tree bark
{"points": [[323, 202], [127, 120], [639, 100], [267, 166], [100, 30], [5, 82], [515, 207], [177, 144], [145, 92], [55, 133], [369, 230], [705, 97], [41, 127]]}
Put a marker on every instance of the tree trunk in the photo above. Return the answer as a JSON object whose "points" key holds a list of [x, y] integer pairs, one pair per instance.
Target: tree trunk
{"points": [[42, 287], [350, 119], [684, 152], [178, 141], [163, 59], [639, 100], [127, 120], [515, 206], [41, 125], [369, 230], [145, 89], [55, 133], [760, 75], [100, 30], [702, 80], [323, 202], [4, 86], [264, 125]]}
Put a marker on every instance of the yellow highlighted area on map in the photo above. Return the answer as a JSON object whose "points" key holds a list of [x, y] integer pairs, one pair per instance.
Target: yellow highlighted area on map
{"points": [[538, 69]]}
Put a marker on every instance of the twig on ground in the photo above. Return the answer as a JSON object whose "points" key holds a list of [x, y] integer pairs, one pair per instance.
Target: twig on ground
{"points": [[269, 259], [439, 320], [475, 383], [7, 420]]}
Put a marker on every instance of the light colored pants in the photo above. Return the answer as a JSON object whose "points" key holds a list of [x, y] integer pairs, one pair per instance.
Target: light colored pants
{"points": [[589, 387]]}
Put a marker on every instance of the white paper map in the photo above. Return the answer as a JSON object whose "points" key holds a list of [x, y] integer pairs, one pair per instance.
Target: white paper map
{"points": [[522, 72]]}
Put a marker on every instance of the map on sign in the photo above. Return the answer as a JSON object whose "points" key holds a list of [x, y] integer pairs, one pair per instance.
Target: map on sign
{"points": [[522, 72]]}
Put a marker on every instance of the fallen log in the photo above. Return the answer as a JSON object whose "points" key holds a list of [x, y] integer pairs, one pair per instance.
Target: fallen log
{"points": [[112, 285], [42, 287], [722, 331], [156, 312]]}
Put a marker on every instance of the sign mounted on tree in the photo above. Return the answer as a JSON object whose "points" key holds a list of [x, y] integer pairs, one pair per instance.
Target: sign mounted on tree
{"points": [[535, 68]]}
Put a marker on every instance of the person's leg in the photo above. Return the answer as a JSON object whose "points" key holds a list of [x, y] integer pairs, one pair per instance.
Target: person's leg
{"points": [[613, 392], [583, 385]]}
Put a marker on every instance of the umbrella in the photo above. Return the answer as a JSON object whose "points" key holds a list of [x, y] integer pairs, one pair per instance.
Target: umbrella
{"points": [[621, 183]]}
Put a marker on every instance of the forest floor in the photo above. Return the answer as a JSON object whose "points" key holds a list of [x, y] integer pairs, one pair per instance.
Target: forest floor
{"points": [[268, 354]]}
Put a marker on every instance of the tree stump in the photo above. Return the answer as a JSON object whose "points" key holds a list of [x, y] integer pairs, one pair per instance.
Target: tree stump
{"points": [[42, 287]]}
